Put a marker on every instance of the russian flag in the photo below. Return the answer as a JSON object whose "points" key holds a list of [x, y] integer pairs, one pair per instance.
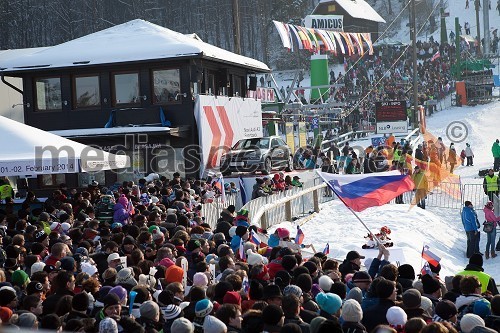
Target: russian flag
{"points": [[430, 257], [300, 236], [326, 250], [254, 238], [359, 192]]}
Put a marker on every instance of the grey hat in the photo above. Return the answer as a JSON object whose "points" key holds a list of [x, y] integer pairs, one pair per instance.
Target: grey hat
{"points": [[27, 320], [108, 325], [149, 310], [292, 290], [356, 294], [182, 325], [125, 276]]}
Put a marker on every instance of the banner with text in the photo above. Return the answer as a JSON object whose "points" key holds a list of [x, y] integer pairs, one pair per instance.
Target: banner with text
{"points": [[325, 22], [266, 95], [222, 121]]}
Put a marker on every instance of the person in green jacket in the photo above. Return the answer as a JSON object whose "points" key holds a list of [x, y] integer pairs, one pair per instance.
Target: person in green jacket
{"points": [[495, 150], [296, 181]]}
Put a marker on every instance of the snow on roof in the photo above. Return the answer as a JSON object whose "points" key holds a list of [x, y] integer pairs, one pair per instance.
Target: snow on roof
{"points": [[6, 55], [358, 9], [135, 40], [109, 131]]}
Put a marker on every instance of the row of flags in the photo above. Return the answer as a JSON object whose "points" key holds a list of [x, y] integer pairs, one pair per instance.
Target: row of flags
{"points": [[336, 42]]}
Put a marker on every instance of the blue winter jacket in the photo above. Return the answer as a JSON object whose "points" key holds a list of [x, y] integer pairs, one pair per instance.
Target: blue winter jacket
{"points": [[469, 219], [235, 243]]}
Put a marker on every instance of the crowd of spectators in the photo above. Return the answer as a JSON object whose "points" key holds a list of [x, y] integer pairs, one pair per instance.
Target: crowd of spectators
{"points": [[154, 265], [276, 183]]}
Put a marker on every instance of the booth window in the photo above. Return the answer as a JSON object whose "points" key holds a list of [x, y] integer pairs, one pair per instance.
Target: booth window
{"points": [[166, 86], [86, 91], [48, 94], [126, 89], [51, 181]]}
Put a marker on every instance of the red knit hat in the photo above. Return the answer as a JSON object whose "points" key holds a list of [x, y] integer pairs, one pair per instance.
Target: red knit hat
{"points": [[232, 297], [174, 274], [5, 314]]}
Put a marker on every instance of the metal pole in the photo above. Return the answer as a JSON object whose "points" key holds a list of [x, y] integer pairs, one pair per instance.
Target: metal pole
{"points": [[236, 27], [477, 4], [414, 53], [486, 28]]}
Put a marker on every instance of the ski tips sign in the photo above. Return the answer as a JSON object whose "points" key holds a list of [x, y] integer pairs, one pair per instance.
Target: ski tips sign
{"points": [[325, 22]]}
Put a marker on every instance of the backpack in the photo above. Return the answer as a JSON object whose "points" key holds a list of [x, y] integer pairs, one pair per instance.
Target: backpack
{"points": [[487, 226], [465, 309]]}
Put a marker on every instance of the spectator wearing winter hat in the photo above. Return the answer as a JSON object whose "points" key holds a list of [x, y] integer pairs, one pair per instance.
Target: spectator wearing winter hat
{"points": [[406, 276], [397, 318], [272, 294], [150, 316], [212, 324], [174, 274], [170, 313], [412, 299], [329, 305], [121, 213], [20, 279], [8, 298], [445, 311], [112, 308], [475, 267], [431, 288], [376, 314], [470, 321], [203, 308], [79, 307], [126, 279], [108, 325], [273, 318], [352, 316], [182, 325], [232, 297], [291, 309], [121, 293]]}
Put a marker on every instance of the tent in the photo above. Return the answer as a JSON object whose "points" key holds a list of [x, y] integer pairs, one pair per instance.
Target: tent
{"points": [[28, 150]]}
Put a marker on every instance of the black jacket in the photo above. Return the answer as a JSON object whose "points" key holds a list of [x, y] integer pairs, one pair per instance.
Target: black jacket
{"points": [[493, 322], [352, 327], [304, 327], [348, 267], [417, 313], [375, 315], [49, 305]]}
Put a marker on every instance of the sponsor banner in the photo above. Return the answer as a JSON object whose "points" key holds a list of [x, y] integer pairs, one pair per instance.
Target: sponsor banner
{"points": [[325, 22], [39, 167], [390, 111], [389, 127], [266, 95], [222, 121], [378, 142]]}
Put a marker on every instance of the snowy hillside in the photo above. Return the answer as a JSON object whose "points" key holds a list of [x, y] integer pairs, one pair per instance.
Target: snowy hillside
{"points": [[439, 228]]}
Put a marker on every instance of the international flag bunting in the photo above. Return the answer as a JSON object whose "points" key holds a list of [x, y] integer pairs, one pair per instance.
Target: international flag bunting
{"points": [[242, 251], [254, 238], [220, 186], [426, 269], [300, 236], [359, 192], [326, 250], [436, 56], [430, 257]]}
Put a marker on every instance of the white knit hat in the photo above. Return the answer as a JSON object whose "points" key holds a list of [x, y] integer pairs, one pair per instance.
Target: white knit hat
{"points": [[351, 311], [254, 258], [182, 325], [396, 316], [469, 321], [325, 283], [37, 267], [213, 325]]}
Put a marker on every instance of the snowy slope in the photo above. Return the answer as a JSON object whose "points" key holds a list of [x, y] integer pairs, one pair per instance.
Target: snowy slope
{"points": [[439, 228]]}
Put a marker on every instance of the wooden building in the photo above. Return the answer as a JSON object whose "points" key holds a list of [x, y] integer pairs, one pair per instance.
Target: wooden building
{"points": [[359, 16], [130, 88]]}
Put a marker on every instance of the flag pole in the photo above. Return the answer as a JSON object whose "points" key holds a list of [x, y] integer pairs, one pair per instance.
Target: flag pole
{"points": [[351, 210]]}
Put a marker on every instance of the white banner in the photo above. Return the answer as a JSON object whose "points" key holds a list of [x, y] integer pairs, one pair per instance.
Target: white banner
{"points": [[388, 127], [222, 121], [39, 167], [325, 22], [266, 95]]}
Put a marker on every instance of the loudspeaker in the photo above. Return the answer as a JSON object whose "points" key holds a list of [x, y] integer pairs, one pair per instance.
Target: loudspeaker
{"points": [[196, 74], [252, 85]]}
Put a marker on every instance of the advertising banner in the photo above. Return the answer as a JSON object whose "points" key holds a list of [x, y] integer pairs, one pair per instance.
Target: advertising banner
{"points": [[290, 139], [390, 111], [222, 121], [390, 127], [325, 22], [266, 95]]}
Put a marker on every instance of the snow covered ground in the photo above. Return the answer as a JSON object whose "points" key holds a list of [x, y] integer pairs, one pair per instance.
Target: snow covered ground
{"points": [[441, 229]]}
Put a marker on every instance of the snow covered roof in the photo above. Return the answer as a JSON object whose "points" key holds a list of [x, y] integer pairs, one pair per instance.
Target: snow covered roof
{"points": [[6, 55], [72, 133], [357, 8], [135, 40]]}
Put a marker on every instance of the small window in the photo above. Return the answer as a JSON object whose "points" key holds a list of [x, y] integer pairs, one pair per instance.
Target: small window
{"points": [[126, 88], [48, 94], [87, 92], [275, 143], [50, 181], [166, 85]]}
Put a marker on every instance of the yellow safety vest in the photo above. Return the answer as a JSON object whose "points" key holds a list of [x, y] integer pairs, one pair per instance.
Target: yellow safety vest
{"points": [[491, 183], [483, 278], [5, 192]]}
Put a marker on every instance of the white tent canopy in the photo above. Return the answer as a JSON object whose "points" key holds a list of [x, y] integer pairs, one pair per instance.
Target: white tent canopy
{"points": [[28, 150]]}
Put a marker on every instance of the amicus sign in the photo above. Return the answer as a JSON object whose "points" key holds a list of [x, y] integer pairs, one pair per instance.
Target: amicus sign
{"points": [[325, 22]]}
